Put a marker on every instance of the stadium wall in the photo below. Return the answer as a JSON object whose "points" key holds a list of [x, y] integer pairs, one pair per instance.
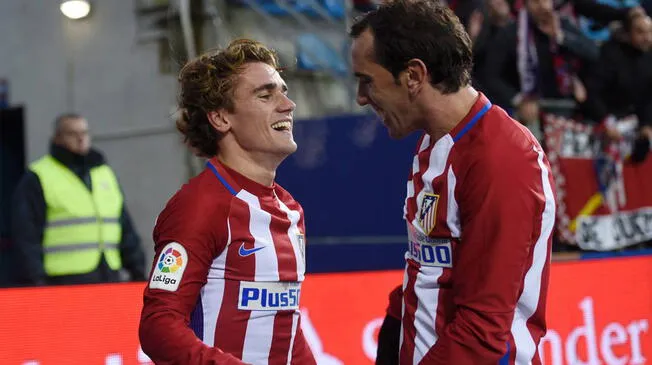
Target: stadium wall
{"points": [[99, 68]]}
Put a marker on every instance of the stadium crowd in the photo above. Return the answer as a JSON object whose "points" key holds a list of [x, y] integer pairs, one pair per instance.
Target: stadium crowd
{"points": [[581, 59]]}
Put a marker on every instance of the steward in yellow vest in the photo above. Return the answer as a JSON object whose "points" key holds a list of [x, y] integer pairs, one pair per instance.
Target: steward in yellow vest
{"points": [[70, 224]]}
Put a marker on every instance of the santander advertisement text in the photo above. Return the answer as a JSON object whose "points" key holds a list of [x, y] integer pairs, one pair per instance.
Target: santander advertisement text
{"points": [[599, 312]]}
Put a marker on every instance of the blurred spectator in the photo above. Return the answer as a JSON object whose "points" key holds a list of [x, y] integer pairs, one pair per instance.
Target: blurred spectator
{"points": [[598, 21], [620, 84], [537, 57], [464, 9], [601, 13], [483, 26], [69, 221], [593, 9]]}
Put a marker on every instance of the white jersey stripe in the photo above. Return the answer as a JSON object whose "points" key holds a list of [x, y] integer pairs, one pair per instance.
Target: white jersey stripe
{"points": [[415, 169], [427, 291], [437, 162], [211, 300], [258, 338], [410, 194], [405, 283], [453, 211], [213, 292], [293, 234], [415, 164], [259, 221], [529, 300], [424, 144], [295, 322]]}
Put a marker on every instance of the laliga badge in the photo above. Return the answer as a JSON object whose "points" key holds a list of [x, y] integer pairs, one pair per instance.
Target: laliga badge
{"points": [[169, 268], [428, 212]]}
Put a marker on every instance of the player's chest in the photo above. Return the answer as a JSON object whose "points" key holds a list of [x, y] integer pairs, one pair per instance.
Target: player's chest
{"points": [[432, 219], [266, 243]]}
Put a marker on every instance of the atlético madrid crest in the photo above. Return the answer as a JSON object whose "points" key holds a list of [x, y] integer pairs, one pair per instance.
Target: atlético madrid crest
{"points": [[428, 212]]}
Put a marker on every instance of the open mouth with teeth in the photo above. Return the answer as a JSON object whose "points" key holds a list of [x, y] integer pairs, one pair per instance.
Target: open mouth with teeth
{"points": [[282, 126]]}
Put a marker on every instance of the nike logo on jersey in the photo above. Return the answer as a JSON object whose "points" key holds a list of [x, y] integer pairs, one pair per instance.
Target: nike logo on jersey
{"points": [[246, 252]]}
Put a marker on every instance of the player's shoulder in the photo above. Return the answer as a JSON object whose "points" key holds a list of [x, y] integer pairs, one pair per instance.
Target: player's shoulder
{"points": [[496, 143], [197, 204], [500, 134]]}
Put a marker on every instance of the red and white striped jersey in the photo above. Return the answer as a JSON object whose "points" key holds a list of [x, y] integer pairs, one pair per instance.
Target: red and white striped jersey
{"points": [[226, 280], [480, 210]]}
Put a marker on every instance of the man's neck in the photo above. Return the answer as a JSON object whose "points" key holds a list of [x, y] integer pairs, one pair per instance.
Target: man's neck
{"points": [[446, 111], [260, 170]]}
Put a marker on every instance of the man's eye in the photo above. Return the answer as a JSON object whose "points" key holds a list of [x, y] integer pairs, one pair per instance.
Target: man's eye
{"points": [[265, 96]]}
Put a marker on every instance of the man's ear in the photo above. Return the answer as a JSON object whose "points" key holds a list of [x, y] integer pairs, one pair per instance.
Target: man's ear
{"points": [[416, 76], [219, 120]]}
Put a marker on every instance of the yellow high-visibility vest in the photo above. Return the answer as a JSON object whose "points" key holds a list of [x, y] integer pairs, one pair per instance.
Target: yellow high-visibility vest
{"points": [[80, 224]]}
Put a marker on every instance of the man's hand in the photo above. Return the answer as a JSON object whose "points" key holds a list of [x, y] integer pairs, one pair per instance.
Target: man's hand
{"points": [[579, 91], [613, 134], [647, 131]]}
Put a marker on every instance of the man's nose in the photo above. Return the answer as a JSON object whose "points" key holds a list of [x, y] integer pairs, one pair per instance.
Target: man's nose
{"points": [[288, 104]]}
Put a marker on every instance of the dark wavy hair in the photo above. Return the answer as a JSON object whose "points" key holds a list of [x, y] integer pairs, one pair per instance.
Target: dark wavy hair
{"points": [[207, 83], [423, 29]]}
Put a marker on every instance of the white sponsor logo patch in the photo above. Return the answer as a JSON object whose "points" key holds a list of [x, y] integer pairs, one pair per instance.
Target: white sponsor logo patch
{"points": [[429, 251], [169, 267], [269, 296]]}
